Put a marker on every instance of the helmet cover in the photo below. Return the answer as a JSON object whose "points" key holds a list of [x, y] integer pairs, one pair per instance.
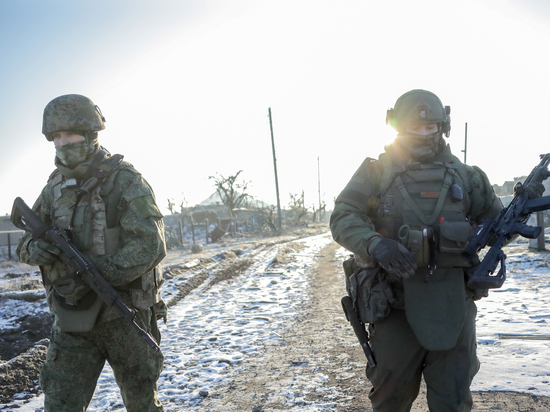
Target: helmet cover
{"points": [[72, 112]]}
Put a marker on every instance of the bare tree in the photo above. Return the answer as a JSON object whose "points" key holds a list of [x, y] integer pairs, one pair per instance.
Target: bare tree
{"points": [[183, 205], [232, 193], [297, 207], [266, 218], [171, 206]]}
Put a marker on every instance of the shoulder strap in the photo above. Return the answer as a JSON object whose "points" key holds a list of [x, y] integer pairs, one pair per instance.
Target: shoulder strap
{"points": [[457, 165], [427, 220], [389, 174], [100, 174]]}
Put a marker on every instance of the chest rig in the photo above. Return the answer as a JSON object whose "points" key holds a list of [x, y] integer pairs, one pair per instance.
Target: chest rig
{"points": [[425, 208], [78, 207], [86, 220]]}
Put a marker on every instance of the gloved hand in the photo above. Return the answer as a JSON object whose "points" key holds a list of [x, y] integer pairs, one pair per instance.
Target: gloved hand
{"points": [[533, 189], [43, 252], [393, 257]]}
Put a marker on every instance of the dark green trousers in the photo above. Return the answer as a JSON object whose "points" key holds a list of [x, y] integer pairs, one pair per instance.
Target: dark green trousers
{"points": [[401, 362], [74, 362]]}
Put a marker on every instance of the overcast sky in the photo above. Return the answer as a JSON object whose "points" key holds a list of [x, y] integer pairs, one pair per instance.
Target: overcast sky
{"points": [[185, 86]]}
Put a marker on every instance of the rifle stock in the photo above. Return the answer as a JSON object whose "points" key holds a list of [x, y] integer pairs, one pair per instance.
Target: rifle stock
{"points": [[23, 217]]}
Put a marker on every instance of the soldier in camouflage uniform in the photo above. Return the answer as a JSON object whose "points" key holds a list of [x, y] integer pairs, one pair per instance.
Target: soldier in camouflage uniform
{"points": [[114, 219], [406, 218]]}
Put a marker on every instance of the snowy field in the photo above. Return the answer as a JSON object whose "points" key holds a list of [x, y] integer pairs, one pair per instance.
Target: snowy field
{"points": [[213, 330]]}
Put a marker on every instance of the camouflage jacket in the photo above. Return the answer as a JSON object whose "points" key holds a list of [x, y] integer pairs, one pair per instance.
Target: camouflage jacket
{"points": [[132, 209]]}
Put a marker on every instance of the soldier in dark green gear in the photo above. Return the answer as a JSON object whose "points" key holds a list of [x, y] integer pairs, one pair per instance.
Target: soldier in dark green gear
{"points": [[406, 218], [112, 215]]}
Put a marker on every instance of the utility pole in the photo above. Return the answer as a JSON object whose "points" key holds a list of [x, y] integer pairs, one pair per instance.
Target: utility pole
{"points": [[319, 182], [465, 141], [279, 219]]}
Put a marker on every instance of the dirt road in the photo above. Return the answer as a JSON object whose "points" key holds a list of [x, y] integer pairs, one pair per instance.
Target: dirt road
{"points": [[321, 342], [318, 344]]}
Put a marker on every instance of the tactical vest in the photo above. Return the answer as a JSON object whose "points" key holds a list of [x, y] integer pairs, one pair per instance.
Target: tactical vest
{"points": [[424, 207], [90, 233], [77, 308]]}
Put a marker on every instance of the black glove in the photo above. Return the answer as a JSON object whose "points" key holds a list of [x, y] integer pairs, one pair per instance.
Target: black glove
{"points": [[42, 252], [533, 189], [393, 257]]}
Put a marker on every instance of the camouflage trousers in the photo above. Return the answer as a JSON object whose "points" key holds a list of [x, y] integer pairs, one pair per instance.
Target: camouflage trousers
{"points": [[402, 361], [74, 362]]}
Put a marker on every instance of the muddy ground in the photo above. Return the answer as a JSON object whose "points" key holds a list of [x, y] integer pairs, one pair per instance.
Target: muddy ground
{"points": [[319, 341]]}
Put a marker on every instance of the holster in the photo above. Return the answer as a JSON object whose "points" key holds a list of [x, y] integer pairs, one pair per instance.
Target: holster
{"points": [[371, 294]]}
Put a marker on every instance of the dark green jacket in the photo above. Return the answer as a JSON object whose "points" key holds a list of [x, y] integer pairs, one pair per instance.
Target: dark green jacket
{"points": [[351, 223]]}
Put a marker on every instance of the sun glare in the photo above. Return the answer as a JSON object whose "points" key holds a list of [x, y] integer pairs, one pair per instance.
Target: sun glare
{"points": [[390, 135]]}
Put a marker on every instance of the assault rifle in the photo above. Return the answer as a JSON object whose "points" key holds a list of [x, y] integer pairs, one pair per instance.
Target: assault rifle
{"points": [[510, 222], [24, 218], [358, 328]]}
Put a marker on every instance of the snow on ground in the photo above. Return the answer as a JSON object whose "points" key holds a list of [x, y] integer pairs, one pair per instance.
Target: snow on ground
{"points": [[213, 330], [513, 327], [11, 309]]}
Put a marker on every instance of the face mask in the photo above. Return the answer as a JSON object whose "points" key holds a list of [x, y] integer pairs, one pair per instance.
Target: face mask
{"points": [[420, 147], [72, 154]]}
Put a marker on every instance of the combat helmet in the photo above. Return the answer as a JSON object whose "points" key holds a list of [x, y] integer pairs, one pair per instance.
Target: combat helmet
{"points": [[419, 107], [72, 112]]}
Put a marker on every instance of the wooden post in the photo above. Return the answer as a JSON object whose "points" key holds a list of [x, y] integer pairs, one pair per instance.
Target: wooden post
{"points": [[9, 246], [181, 232], [193, 229], [279, 215], [206, 222], [319, 182]]}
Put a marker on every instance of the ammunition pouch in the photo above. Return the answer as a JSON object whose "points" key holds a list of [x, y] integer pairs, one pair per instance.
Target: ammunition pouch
{"points": [[145, 290], [452, 239], [454, 236], [371, 294], [418, 241], [444, 247]]}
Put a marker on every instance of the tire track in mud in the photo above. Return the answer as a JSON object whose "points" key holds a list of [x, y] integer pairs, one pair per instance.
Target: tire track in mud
{"points": [[20, 374]]}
